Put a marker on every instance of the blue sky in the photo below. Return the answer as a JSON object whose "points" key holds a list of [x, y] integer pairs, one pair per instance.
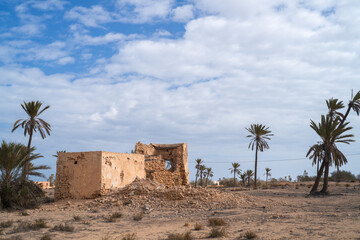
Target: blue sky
{"points": [[162, 71]]}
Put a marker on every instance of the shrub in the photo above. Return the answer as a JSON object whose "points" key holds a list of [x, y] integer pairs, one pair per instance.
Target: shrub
{"points": [[6, 224], [15, 191], [63, 228], [138, 216], [198, 226], [342, 176], [46, 236], [113, 217], [180, 236], [250, 235], [217, 222], [129, 236], [27, 226], [76, 218], [217, 232]]}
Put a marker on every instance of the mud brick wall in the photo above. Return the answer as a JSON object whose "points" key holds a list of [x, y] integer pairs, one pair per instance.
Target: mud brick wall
{"points": [[156, 156], [90, 174]]}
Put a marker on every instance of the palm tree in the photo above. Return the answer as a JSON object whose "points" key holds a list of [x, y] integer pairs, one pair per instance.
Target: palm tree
{"points": [[208, 173], [235, 169], [13, 189], [243, 178], [33, 123], [317, 154], [249, 174], [267, 170], [202, 169], [331, 131], [197, 167], [259, 134]]}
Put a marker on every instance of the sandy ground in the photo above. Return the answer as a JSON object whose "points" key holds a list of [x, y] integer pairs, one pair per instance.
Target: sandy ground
{"points": [[282, 212]]}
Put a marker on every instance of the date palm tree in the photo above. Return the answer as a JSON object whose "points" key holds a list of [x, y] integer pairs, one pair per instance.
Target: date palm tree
{"points": [[259, 134], [197, 167], [33, 123], [331, 131], [243, 178], [208, 173], [235, 169], [267, 173], [202, 169], [249, 174], [14, 191]]}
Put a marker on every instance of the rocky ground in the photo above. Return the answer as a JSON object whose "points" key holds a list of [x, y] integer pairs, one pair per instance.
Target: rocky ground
{"points": [[148, 210]]}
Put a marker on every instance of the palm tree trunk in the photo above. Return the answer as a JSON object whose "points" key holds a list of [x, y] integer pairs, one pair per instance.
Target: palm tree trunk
{"points": [[326, 178], [256, 153], [318, 177], [234, 176], [206, 181], [266, 177], [196, 177], [25, 169]]}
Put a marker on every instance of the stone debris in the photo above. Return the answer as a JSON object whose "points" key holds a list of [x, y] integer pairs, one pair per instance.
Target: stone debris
{"points": [[149, 195]]}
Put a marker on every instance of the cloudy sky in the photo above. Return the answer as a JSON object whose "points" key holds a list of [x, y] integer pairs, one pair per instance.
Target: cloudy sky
{"points": [[163, 71]]}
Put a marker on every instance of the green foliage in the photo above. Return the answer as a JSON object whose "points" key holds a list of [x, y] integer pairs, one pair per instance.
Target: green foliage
{"points": [[180, 236], [342, 176], [229, 182], [217, 232], [305, 177], [15, 191]]}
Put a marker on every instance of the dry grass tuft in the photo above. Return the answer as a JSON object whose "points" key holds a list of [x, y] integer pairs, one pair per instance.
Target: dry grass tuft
{"points": [[217, 222], [198, 227], [217, 232], [46, 236], [63, 228], [180, 236], [139, 216], [6, 224], [129, 236], [28, 226], [250, 235]]}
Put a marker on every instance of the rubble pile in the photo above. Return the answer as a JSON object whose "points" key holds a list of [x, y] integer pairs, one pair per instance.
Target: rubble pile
{"points": [[146, 193]]}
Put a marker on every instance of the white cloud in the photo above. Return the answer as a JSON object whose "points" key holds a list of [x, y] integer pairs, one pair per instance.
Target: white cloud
{"points": [[66, 60], [183, 13], [101, 40], [140, 11], [91, 17]]}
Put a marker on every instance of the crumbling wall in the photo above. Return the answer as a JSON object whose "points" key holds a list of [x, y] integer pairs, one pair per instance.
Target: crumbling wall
{"points": [[120, 169], [90, 174], [157, 156], [78, 175]]}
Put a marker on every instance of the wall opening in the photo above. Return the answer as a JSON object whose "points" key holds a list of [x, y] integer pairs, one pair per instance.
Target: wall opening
{"points": [[169, 165]]}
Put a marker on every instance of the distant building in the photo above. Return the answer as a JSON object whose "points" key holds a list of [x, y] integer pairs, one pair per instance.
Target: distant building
{"points": [[43, 185]]}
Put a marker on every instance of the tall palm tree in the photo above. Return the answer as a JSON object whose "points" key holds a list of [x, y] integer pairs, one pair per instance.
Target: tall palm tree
{"points": [[208, 173], [259, 134], [197, 167], [243, 178], [249, 174], [235, 169], [317, 154], [33, 123], [13, 158], [267, 173], [331, 131]]}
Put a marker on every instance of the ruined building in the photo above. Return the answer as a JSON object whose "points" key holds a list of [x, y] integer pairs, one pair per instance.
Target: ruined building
{"points": [[90, 174]]}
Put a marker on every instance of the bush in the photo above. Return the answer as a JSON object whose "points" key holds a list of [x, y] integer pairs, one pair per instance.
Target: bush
{"points": [[46, 236], [198, 226], [180, 236], [217, 232], [15, 191], [6, 224], [342, 176], [27, 226], [250, 235], [63, 228], [129, 236], [229, 182], [138, 216], [217, 222]]}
